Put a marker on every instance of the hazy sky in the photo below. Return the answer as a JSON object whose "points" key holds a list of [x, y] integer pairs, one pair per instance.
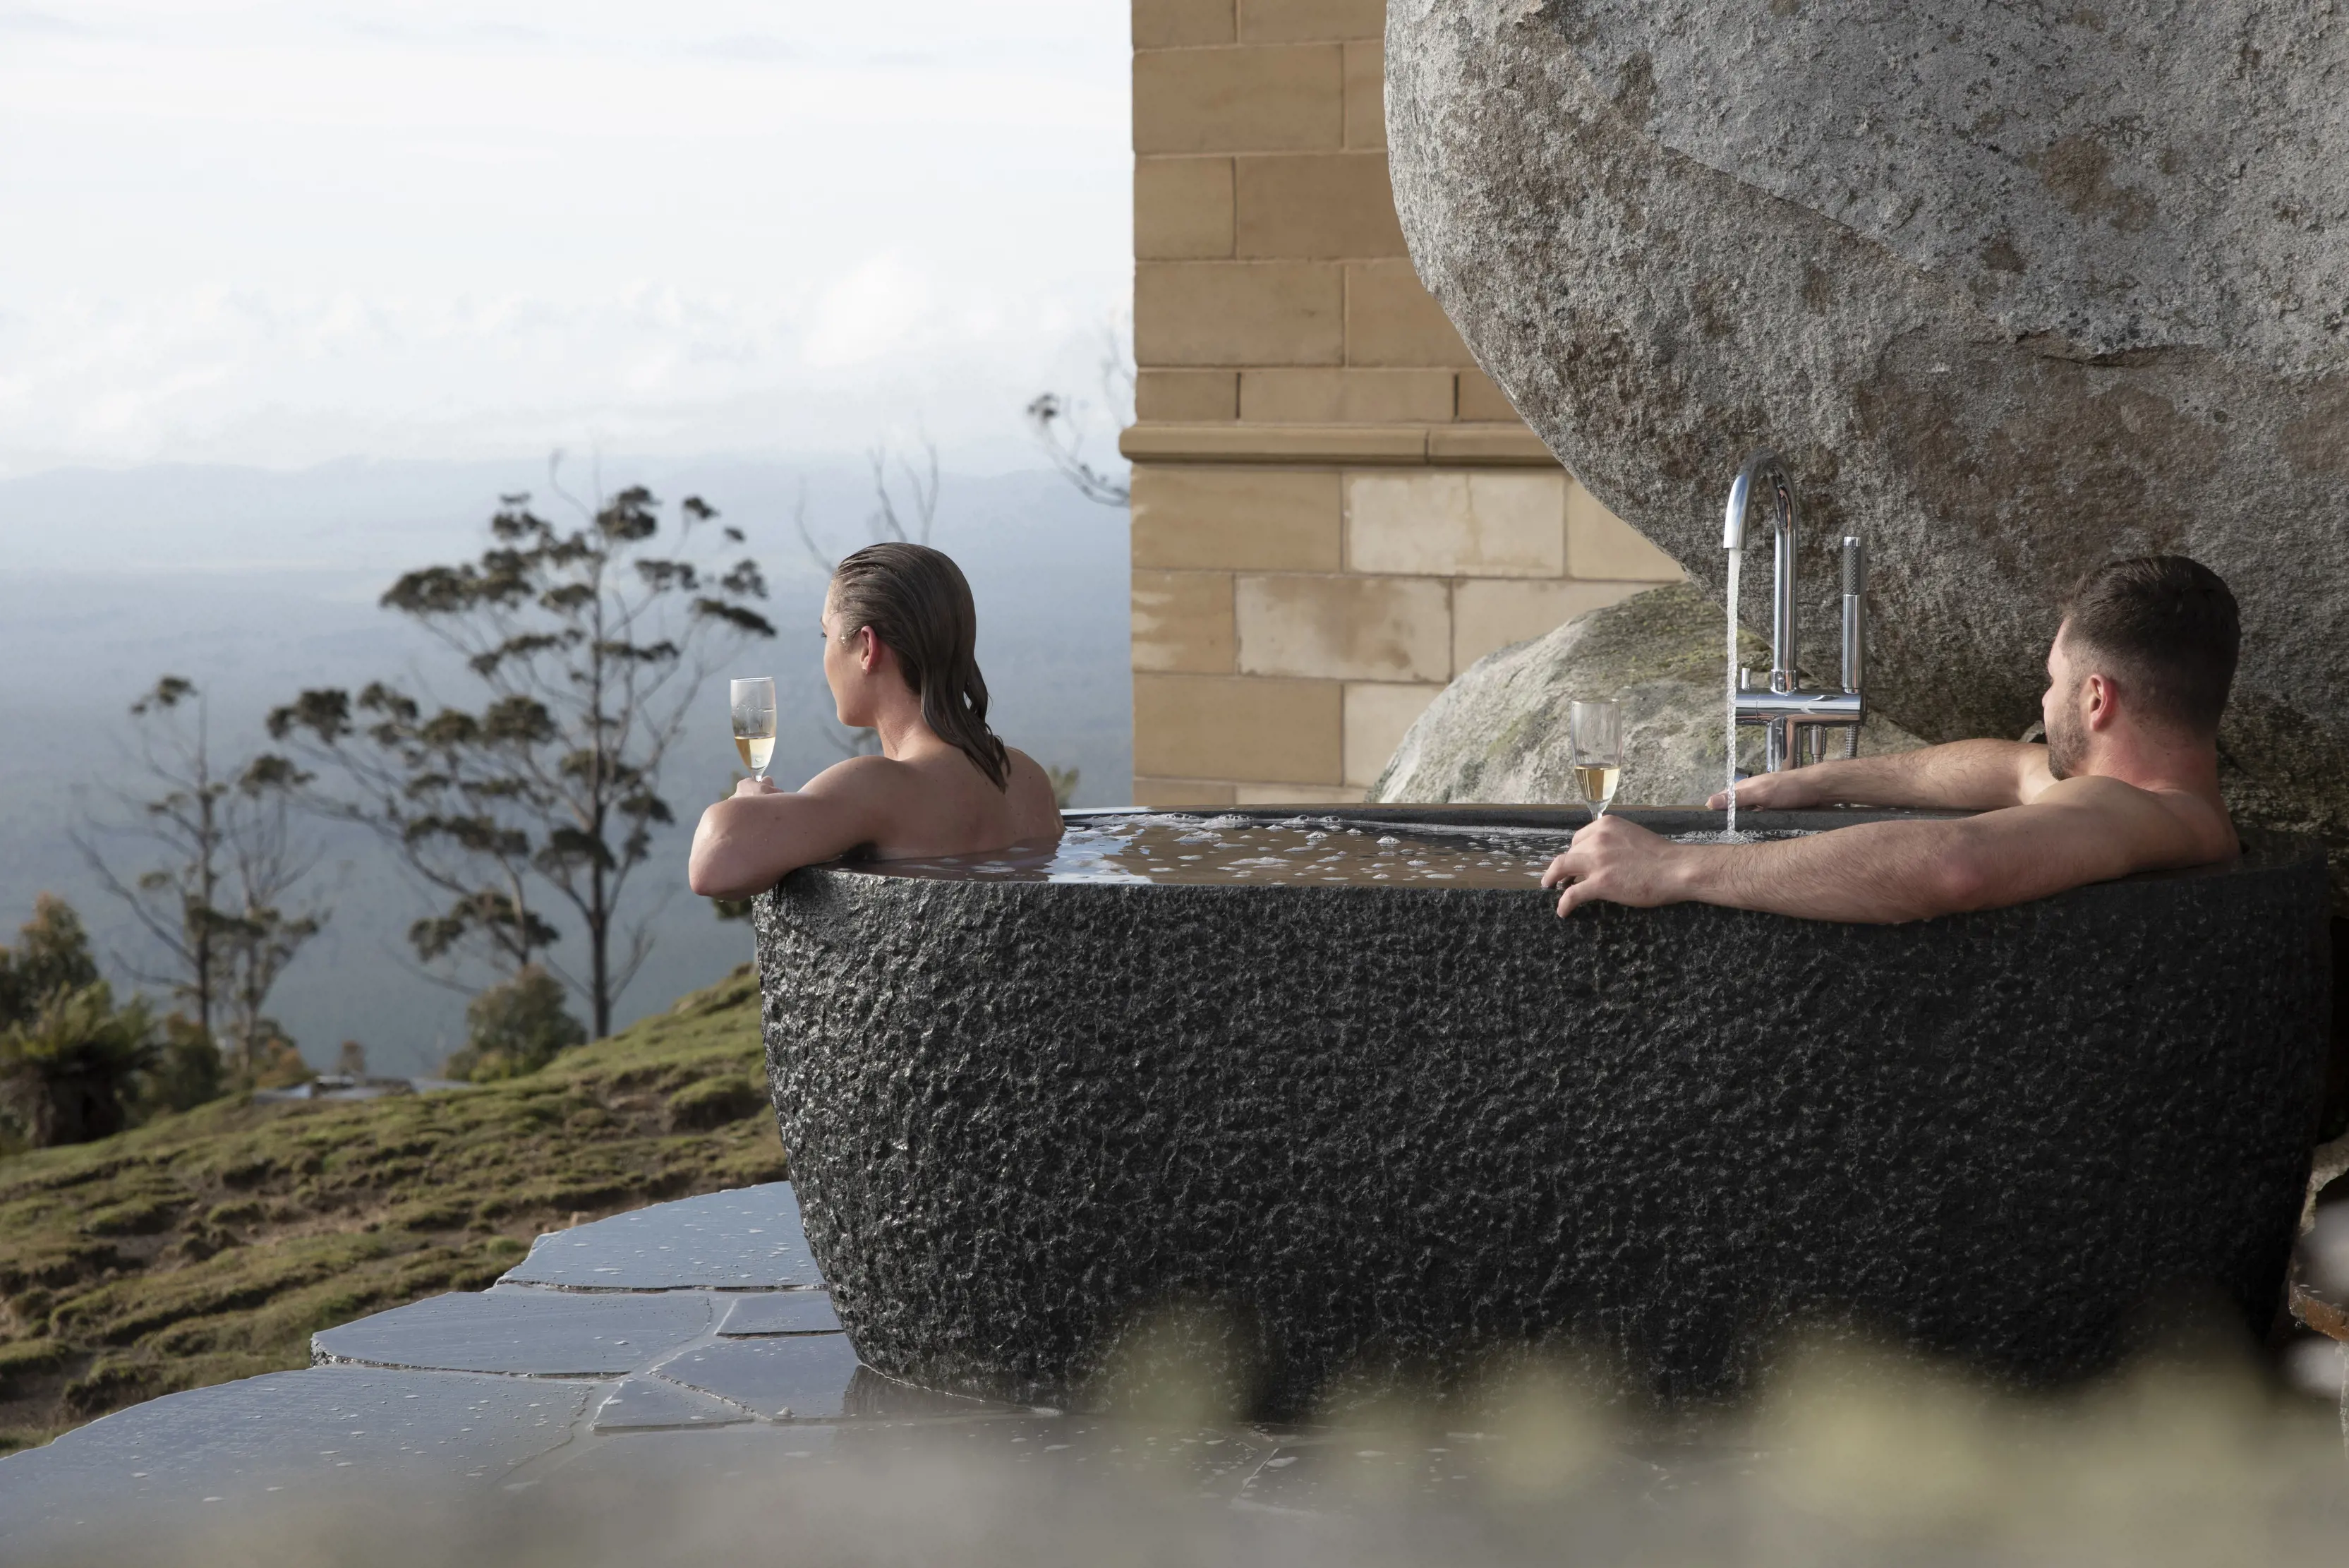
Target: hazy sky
{"points": [[279, 234]]}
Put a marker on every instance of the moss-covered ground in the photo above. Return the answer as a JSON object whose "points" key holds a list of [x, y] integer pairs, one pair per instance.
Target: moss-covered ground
{"points": [[210, 1245]]}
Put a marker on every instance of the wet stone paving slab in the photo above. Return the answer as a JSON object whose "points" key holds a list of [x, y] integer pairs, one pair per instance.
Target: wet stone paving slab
{"points": [[748, 1239], [656, 1405], [779, 1311], [803, 1375], [523, 1332], [290, 1438]]}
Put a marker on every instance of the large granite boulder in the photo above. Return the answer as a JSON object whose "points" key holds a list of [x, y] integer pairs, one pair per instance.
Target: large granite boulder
{"points": [[2014, 288], [1498, 732]]}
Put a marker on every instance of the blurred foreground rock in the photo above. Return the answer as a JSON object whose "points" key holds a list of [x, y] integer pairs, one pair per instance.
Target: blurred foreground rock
{"points": [[1498, 732]]}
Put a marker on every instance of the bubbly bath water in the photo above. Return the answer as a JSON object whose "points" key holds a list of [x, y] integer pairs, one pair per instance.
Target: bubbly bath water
{"points": [[1298, 851]]}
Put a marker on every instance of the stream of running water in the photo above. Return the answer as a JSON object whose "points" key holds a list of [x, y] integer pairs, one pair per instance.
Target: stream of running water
{"points": [[1736, 559]]}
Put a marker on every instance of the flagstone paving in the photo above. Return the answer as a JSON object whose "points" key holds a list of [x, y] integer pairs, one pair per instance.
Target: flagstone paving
{"points": [[708, 1312]]}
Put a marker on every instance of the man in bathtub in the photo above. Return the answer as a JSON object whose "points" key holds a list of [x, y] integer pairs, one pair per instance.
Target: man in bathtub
{"points": [[2127, 781]]}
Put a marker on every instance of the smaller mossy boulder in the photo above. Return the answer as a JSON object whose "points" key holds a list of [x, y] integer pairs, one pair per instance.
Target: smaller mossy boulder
{"points": [[1498, 732]]}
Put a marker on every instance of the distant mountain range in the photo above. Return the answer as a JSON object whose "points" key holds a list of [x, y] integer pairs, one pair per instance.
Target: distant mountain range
{"points": [[256, 584]]}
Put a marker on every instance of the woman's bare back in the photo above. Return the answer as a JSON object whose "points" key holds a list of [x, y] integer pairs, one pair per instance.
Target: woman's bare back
{"points": [[931, 801], [936, 802]]}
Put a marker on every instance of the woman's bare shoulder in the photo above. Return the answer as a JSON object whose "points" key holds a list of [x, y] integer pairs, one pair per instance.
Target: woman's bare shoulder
{"points": [[1032, 801], [860, 776]]}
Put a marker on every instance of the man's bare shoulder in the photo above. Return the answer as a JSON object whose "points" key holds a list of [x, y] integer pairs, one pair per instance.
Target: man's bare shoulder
{"points": [[2094, 791], [2165, 827]]}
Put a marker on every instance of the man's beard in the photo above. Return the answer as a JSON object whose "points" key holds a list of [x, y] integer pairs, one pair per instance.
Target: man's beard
{"points": [[2067, 740]]}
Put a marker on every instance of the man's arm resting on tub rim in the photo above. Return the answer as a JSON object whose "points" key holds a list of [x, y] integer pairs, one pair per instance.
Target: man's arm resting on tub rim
{"points": [[2076, 831], [1964, 776]]}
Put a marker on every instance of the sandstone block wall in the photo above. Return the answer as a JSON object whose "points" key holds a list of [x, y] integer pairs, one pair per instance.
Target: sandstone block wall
{"points": [[1334, 510]]}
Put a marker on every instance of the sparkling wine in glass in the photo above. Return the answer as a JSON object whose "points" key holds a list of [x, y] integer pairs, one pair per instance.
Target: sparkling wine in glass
{"points": [[754, 722], [1596, 730]]}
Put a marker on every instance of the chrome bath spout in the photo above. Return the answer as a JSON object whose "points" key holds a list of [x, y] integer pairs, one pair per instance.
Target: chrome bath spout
{"points": [[1796, 720]]}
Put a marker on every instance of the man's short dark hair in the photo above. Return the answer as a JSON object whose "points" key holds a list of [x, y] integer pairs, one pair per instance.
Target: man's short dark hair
{"points": [[2167, 629]]}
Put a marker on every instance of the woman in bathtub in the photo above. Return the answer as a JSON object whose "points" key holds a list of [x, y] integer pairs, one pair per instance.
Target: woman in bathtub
{"points": [[899, 629]]}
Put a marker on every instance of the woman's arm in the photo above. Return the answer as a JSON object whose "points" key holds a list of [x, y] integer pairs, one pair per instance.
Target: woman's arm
{"points": [[755, 838], [1964, 776]]}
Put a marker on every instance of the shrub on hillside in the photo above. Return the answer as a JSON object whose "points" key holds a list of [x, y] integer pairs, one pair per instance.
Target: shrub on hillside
{"points": [[73, 1066], [272, 1061], [70, 1072], [186, 1071], [515, 1027], [71, 1062]]}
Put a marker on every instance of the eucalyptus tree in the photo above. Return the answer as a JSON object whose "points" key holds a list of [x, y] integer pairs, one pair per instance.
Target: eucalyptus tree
{"points": [[536, 801], [221, 860]]}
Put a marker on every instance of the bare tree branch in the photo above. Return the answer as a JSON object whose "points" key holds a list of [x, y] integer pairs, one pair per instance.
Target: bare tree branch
{"points": [[921, 485], [1060, 422], [818, 557]]}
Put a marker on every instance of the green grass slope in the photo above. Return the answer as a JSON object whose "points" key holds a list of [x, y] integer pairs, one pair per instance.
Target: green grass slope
{"points": [[210, 1245]]}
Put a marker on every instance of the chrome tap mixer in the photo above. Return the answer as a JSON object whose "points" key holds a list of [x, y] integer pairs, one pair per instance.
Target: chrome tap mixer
{"points": [[1796, 720]]}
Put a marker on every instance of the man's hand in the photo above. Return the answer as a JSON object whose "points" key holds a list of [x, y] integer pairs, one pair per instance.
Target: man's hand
{"points": [[1614, 860], [1965, 775], [752, 786], [1793, 790]]}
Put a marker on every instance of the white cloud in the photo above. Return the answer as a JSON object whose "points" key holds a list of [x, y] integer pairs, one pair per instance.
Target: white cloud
{"points": [[258, 233], [865, 314]]}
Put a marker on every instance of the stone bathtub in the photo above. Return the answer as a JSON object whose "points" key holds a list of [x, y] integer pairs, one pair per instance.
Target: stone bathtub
{"points": [[1391, 1130]]}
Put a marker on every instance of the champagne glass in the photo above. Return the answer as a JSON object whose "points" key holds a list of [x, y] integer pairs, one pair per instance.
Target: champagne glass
{"points": [[754, 722], [1596, 730]]}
